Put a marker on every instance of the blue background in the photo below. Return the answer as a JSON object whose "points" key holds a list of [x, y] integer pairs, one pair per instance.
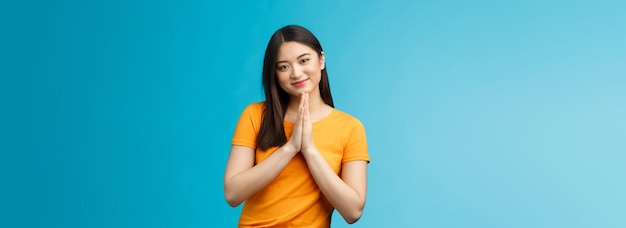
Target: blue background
{"points": [[478, 113]]}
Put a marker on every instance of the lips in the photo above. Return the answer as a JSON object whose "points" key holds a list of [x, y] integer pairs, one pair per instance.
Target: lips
{"points": [[300, 83]]}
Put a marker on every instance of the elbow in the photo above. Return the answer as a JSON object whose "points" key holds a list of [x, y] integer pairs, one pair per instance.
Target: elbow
{"points": [[354, 216], [231, 199], [233, 203]]}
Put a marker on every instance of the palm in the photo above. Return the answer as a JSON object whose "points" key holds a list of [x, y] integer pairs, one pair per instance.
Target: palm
{"points": [[302, 135]]}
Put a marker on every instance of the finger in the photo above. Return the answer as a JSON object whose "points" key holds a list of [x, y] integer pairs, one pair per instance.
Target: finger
{"points": [[303, 105], [306, 124], [300, 109], [306, 106]]}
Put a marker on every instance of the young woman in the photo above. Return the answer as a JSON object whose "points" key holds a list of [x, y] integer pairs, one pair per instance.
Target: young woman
{"points": [[294, 157]]}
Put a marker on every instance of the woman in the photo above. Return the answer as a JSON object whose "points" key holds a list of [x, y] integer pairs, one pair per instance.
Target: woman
{"points": [[294, 158]]}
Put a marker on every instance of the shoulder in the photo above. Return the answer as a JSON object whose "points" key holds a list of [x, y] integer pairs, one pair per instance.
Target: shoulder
{"points": [[255, 107], [344, 117], [253, 111]]}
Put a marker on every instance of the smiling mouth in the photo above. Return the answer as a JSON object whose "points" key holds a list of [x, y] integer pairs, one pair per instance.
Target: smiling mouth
{"points": [[300, 83]]}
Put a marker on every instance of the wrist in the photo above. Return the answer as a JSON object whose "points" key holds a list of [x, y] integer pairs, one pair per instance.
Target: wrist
{"points": [[290, 148], [310, 150]]}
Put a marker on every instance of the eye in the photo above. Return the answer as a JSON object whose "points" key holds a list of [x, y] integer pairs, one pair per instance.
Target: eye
{"points": [[303, 61], [283, 68]]}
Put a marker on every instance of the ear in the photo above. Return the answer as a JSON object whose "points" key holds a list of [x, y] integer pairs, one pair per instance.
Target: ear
{"points": [[323, 61]]}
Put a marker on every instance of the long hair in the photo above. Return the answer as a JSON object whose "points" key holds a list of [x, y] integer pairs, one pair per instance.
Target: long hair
{"points": [[272, 132]]}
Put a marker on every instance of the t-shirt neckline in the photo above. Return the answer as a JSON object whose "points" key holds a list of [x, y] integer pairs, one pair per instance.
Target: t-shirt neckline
{"points": [[332, 111]]}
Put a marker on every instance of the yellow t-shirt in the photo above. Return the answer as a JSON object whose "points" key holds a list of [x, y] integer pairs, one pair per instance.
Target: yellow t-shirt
{"points": [[293, 199]]}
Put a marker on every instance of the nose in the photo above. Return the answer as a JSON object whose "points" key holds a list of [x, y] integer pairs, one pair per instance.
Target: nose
{"points": [[296, 72]]}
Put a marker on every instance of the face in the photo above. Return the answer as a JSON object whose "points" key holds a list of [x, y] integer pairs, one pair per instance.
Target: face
{"points": [[299, 68]]}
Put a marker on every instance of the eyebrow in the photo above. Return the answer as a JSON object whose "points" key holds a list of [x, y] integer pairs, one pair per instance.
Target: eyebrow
{"points": [[284, 61]]}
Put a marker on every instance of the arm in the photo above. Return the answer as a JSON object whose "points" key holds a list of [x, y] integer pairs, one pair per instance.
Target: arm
{"points": [[242, 178], [345, 193]]}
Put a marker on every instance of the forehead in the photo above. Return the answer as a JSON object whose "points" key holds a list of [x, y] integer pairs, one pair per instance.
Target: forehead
{"points": [[292, 50]]}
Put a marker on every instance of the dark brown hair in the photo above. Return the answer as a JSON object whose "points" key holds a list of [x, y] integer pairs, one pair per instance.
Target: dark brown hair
{"points": [[272, 132]]}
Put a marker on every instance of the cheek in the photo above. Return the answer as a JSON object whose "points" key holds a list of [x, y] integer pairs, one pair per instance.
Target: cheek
{"points": [[314, 70], [283, 79]]}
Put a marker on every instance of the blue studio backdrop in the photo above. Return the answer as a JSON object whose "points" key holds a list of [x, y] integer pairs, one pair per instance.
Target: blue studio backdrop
{"points": [[478, 113]]}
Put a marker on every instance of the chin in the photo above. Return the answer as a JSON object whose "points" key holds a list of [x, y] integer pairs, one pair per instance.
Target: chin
{"points": [[299, 91]]}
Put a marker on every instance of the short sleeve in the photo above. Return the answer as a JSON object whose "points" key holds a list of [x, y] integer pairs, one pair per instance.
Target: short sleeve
{"points": [[248, 126], [356, 144]]}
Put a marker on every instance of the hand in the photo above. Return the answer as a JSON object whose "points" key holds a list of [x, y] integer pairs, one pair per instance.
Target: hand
{"points": [[295, 142], [307, 126]]}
